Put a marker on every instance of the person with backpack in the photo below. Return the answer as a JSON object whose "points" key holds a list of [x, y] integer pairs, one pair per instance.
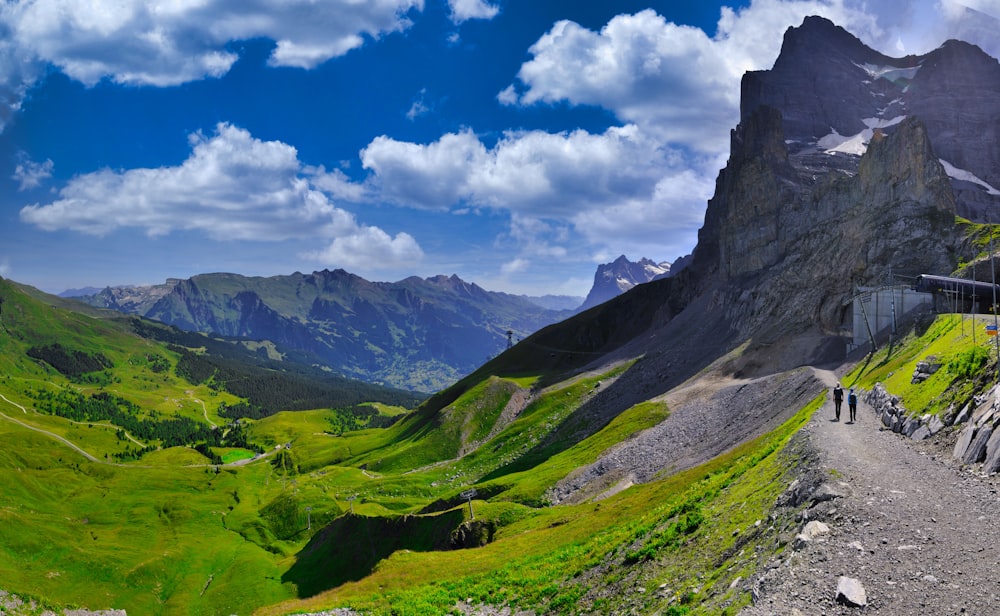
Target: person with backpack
{"points": [[838, 399], [852, 404]]}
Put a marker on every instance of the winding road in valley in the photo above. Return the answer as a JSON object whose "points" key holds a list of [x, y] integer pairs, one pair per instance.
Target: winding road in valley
{"points": [[93, 458], [47, 433]]}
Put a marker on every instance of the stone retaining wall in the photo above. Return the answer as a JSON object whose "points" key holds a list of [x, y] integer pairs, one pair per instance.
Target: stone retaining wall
{"points": [[978, 442]]}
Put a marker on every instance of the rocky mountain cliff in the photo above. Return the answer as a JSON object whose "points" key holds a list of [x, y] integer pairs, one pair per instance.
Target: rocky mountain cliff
{"points": [[799, 221], [420, 334], [834, 93], [613, 279]]}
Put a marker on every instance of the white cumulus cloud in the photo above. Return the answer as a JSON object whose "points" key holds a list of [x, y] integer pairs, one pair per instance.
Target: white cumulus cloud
{"points": [[464, 10], [546, 174], [369, 248], [169, 42], [231, 187], [614, 187], [674, 81]]}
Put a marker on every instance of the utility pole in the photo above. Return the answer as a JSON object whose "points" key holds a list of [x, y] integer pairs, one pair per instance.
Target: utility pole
{"points": [[892, 303], [993, 279]]}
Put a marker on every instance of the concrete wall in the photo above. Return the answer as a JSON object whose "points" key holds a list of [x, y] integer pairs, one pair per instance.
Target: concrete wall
{"points": [[876, 308]]}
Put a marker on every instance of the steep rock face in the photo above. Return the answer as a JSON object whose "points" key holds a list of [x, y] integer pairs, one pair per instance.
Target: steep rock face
{"points": [[834, 92], [956, 93], [613, 279], [789, 247], [823, 80], [741, 223]]}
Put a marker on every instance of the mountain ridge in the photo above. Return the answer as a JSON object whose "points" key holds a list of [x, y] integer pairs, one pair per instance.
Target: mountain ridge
{"points": [[442, 326]]}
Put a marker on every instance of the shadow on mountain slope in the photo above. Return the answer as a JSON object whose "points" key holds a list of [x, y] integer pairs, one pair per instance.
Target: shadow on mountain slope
{"points": [[349, 547]]}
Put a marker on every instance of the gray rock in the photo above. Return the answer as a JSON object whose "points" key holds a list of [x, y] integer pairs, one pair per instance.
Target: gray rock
{"points": [[963, 415], [977, 450], [910, 426], [992, 463], [850, 592], [935, 425], [811, 530], [826, 492], [921, 433], [963, 442]]}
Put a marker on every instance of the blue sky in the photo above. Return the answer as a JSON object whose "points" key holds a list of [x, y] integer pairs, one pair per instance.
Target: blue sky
{"points": [[516, 143]]}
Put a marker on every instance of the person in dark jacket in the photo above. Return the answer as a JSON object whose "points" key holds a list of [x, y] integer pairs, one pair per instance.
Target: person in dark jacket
{"points": [[838, 399], [852, 404]]}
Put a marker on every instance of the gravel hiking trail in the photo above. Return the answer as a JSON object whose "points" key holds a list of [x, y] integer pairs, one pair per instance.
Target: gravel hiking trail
{"points": [[921, 533]]}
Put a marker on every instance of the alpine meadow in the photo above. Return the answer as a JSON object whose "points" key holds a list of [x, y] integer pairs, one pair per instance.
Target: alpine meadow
{"points": [[320, 444]]}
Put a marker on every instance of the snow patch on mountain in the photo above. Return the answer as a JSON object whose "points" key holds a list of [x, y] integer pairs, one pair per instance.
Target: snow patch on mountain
{"points": [[966, 176], [892, 73], [855, 144]]}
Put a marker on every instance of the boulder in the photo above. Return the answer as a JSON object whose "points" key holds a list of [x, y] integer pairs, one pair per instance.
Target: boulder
{"points": [[963, 415], [851, 593], [992, 463], [825, 493], [935, 425], [811, 530], [924, 370], [977, 450], [910, 426], [963, 442], [921, 433]]}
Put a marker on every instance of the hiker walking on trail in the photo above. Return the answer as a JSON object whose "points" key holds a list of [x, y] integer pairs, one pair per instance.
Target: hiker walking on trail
{"points": [[838, 399], [852, 404]]}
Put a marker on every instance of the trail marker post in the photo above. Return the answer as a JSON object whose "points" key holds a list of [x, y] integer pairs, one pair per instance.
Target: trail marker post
{"points": [[467, 495], [309, 521]]}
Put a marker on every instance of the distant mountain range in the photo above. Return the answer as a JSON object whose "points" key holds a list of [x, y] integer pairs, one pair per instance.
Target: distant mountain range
{"points": [[419, 334]]}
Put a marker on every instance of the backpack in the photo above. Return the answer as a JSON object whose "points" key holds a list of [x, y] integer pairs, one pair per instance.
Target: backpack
{"points": [[852, 399]]}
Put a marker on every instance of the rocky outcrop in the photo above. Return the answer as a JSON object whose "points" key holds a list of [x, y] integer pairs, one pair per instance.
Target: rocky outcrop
{"points": [[978, 442]]}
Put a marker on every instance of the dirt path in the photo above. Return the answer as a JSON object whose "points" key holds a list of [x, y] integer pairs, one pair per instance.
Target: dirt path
{"points": [[205, 410], [921, 534]]}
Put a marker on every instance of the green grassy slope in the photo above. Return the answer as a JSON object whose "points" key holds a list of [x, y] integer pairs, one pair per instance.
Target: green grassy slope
{"points": [[959, 343], [369, 518]]}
